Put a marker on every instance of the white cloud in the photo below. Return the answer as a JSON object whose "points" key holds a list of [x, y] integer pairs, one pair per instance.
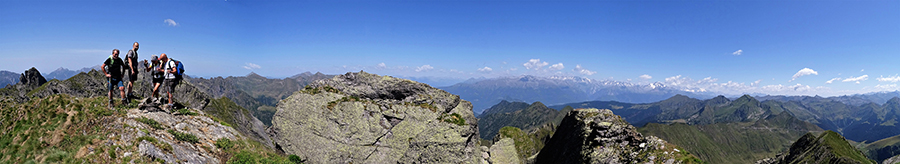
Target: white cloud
{"points": [[832, 80], [710, 84], [251, 66], [803, 72], [857, 79], [557, 67], [513, 69], [862, 70], [738, 52], [485, 69], [892, 79], [381, 66], [170, 22], [424, 68], [646, 77], [535, 64], [583, 71]]}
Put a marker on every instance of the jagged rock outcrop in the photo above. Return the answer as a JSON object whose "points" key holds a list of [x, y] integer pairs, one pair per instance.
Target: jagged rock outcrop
{"points": [[599, 136], [366, 118], [829, 147], [32, 78]]}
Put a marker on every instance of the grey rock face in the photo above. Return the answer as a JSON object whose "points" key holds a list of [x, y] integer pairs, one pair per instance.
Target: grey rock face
{"points": [[366, 118], [504, 151], [599, 136]]}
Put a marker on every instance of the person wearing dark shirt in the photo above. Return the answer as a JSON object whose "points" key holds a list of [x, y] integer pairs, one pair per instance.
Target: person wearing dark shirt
{"points": [[131, 66], [113, 67]]}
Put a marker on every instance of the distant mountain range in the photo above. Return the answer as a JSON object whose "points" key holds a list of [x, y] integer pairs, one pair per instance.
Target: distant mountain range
{"points": [[559, 89], [256, 93], [8, 78]]}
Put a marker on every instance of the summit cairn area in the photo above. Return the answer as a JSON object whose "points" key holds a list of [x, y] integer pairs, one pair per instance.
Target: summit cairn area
{"points": [[367, 118]]}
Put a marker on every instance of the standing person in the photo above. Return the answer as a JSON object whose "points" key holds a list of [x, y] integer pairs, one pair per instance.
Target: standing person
{"points": [[156, 75], [169, 68], [131, 59], [112, 68]]}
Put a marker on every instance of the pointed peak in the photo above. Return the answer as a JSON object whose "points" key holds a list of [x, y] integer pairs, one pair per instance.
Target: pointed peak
{"points": [[746, 98], [894, 100], [538, 103]]}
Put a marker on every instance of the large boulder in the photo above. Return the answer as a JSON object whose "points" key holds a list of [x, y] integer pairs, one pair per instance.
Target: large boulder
{"points": [[599, 136], [366, 118]]}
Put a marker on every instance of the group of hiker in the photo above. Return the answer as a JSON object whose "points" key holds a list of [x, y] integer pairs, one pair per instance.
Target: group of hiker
{"points": [[164, 71]]}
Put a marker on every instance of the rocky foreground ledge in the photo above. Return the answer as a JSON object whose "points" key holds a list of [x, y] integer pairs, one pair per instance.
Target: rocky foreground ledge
{"points": [[599, 136], [367, 118]]}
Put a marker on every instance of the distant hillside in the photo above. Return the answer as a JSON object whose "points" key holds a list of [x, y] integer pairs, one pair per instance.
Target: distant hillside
{"points": [[557, 90], [256, 93], [64, 73], [8, 78], [829, 147], [865, 123], [519, 115]]}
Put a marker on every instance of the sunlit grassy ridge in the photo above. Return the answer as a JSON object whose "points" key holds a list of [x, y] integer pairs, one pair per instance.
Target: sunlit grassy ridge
{"points": [[65, 129]]}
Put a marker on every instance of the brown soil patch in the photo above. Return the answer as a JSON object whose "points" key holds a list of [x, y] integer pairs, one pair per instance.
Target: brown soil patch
{"points": [[60, 131]]}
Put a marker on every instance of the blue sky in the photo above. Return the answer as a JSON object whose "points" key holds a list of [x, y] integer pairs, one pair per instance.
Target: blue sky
{"points": [[728, 46]]}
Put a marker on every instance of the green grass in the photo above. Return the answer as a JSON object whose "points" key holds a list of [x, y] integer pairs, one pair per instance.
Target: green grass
{"points": [[525, 144], [186, 137], [29, 128], [185, 111], [224, 143], [725, 142], [840, 147], [150, 122]]}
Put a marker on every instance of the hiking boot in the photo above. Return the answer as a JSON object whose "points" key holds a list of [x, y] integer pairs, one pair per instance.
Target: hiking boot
{"points": [[110, 105], [125, 102]]}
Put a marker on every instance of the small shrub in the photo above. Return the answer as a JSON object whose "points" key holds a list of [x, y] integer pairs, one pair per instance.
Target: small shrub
{"points": [[145, 138], [186, 137], [150, 122], [243, 157], [295, 159], [185, 111], [224, 143], [310, 90], [330, 89], [453, 118]]}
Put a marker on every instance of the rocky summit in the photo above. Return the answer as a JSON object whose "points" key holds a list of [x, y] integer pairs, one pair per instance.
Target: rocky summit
{"points": [[828, 147], [599, 136], [367, 118]]}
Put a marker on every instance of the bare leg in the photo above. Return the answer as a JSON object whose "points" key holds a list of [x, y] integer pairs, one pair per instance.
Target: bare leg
{"points": [[122, 91], [156, 90]]}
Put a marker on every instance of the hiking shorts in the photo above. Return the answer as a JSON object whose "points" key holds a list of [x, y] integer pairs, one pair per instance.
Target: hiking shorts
{"points": [[158, 80], [170, 85], [113, 83], [129, 76]]}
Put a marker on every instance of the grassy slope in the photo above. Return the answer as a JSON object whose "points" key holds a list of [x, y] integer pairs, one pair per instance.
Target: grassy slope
{"points": [[744, 142], [43, 131], [840, 147]]}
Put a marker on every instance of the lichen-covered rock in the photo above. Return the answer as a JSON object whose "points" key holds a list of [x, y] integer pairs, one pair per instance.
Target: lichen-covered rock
{"points": [[163, 145], [504, 151], [366, 118], [599, 136]]}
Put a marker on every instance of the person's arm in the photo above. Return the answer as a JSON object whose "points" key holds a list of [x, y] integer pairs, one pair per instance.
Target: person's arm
{"points": [[103, 67], [130, 65]]}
